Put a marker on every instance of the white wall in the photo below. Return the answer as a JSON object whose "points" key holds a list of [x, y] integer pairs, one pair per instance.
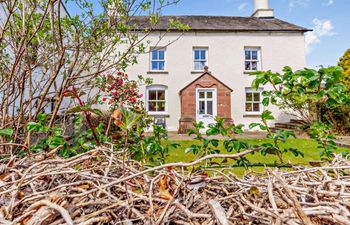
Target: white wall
{"points": [[226, 62]]}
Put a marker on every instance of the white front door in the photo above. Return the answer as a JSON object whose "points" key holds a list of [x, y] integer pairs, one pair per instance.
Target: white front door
{"points": [[206, 105]]}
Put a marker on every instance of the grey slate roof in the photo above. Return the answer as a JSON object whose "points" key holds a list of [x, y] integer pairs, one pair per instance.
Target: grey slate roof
{"points": [[219, 23]]}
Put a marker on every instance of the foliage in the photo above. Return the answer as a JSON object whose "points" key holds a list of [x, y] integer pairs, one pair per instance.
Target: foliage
{"points": [[316, 96], [304, 92], [44, 51], [208, 145], [152, 148], [118, 91], [49, 138], [84, 108], [344, 62], [325, 139], [7, 132], [277, 137]]}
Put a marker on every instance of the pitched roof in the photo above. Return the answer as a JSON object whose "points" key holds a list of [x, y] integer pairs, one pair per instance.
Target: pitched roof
{"points": [[200, 77], [219, 23]]}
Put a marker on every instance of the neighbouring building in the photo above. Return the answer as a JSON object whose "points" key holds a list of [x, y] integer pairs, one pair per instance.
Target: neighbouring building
{"points": [[205, 72]]}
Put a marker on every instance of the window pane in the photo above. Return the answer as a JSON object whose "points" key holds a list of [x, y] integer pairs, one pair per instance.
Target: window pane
{"points": [[152, 106], [196, 54], [254, 66], [247, 65], [154, 54], [210, 107], [257, 97], [249, 97], [199, 65], [161, 95], [248, 107], [161, 106], [152, 95], [255, 55], [201, 94], [256, 107], [203, 54], [209, 94], [201, 107], [155, 65], [161, 65], [247, 55], [161, 54]]}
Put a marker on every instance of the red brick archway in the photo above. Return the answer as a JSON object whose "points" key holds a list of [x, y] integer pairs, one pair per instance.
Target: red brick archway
{"points": [[188, 100]]}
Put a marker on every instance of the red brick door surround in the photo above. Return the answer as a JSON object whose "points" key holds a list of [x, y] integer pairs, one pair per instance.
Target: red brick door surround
{"points": [[188, 100]]}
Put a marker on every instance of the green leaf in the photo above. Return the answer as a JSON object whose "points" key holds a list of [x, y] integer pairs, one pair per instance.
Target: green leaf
{"points": [[31, 126], [42, 117], [267, 115], [6, 132], [253, 125], [266, 101], [215, 142]]}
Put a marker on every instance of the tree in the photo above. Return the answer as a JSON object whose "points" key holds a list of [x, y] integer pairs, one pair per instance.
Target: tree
{"points": [[45, 51], [344, 62], [310, 95]]}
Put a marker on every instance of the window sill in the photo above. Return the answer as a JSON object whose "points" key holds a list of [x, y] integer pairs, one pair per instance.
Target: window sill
{"points": [[157, 72], [250, 72], [155, 114], [258, 115], [197, 72]]}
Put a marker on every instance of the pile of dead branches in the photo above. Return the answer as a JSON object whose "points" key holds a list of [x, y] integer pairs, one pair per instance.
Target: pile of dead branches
{"points": [[98, 188]]}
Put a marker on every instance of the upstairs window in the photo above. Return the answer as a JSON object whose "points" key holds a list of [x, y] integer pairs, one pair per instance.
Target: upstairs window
{"points": [[253, 101], [158, 59], [252, 59], [156, 98], [200, 58]]}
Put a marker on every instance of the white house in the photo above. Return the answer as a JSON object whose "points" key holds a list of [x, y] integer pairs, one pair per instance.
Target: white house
{"points": [[205, 72]]}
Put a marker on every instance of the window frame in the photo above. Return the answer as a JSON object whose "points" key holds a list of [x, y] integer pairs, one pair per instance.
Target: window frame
{"points": [[194, 60], [252, 102], [157, 60], [147, 100], [258, 60]]}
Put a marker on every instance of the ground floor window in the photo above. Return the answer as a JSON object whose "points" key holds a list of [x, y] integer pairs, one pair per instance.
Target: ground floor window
{"points": [[156, 99], [253, 100]]}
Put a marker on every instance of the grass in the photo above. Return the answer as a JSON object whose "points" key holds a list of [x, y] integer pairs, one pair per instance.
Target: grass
{"points": [[307, 146]]}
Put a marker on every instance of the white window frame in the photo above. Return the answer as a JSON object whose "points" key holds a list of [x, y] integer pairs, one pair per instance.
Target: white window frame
{"points": [[258, 60], [253, 91], [157, 87], [206, 49], [157, 60]]}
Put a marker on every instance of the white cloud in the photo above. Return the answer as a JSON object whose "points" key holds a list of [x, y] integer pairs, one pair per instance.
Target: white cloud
{"points": [[242, 6], [329, 2], [296, 3], [321, 28]]}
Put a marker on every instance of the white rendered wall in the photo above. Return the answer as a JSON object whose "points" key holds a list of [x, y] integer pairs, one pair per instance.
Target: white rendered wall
{"points": [[225, 61]]}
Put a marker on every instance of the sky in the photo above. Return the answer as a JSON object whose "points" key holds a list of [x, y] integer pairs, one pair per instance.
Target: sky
{"points": [[329, 20]]}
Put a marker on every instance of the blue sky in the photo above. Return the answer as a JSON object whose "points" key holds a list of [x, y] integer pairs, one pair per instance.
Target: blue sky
{"points": [[330, 20]]}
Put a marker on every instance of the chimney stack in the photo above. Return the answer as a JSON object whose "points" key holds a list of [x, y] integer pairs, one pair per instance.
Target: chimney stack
{"points": [[262, 9]]}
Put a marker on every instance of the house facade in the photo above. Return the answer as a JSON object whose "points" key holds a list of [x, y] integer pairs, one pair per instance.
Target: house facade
{"points": [[205, 72]]}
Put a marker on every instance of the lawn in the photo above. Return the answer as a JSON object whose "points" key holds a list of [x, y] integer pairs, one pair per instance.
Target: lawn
{"points": [[308, 147]]}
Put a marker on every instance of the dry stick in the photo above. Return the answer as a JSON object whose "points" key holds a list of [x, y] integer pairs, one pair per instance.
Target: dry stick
{"points": [[13, 144], [178, 164], [219, 212], [188, 213], [300, 213], [161, 217], [64, 213]]}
